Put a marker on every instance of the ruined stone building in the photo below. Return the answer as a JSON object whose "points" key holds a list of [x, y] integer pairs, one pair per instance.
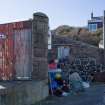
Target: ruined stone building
{"points": [[76, 50]]}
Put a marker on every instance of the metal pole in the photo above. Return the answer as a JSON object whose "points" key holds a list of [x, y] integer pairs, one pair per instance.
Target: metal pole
{"points": [[104, 30], [104, 35]]}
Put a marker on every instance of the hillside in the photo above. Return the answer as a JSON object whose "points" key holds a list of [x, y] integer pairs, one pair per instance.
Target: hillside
{"points": [[80, 34]]}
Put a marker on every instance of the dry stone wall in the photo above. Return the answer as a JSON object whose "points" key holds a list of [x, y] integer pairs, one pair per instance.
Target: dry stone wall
{"points": [[39, 46], [77, 50]]}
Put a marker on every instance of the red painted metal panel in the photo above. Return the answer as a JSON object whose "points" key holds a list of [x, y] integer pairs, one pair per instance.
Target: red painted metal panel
{"points": [[7, 58], [6, 50]]}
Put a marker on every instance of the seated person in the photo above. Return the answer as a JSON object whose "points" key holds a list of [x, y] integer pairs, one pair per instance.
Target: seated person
{"points": [[65, 86]]}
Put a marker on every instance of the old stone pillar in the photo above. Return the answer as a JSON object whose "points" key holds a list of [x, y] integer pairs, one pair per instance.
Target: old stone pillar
{"points": [[39, 46]]}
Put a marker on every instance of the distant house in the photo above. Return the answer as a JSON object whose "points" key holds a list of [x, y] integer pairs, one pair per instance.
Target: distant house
{"points": [[95, 23]]}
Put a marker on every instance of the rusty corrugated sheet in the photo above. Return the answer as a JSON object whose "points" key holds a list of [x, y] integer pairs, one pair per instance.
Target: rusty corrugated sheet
{"points": [[6, 52], [7, 48]]}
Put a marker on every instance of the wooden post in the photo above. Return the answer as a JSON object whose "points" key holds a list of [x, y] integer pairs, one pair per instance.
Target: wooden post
{"points": [[104, 34], [104, 29]]}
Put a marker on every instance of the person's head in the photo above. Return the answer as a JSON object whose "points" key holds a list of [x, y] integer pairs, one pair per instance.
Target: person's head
{"points": [[71, 72], [51, 61], [58, 76]]}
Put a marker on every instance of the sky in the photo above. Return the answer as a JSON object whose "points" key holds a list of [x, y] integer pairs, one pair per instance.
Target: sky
{"points": [[60, 12]]}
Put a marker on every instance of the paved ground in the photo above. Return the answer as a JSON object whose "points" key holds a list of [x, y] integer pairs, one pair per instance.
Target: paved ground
{"points": [[92, 96]]}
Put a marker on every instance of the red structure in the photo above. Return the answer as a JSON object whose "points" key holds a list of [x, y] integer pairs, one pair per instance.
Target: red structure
{"points": [[15, 42]]}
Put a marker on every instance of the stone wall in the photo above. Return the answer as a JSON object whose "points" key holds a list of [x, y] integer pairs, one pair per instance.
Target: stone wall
{"points": [[77, 50], [23, 92], [86, 51], [39, 46]]}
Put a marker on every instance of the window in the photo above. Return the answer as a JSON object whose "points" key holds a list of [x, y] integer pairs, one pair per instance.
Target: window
{"points": [[63, 52], [92, 27], [49, 40]]}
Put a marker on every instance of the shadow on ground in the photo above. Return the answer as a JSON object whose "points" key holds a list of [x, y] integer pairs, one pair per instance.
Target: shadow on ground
{"points": [[92, 96]]}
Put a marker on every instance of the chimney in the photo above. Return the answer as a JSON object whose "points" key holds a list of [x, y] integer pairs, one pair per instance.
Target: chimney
{"points": [[92, 15], [104, 30]]}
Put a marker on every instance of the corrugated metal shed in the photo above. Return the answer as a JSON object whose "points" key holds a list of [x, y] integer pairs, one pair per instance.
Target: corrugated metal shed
{"points": [[22, 42], [15, 49]]}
